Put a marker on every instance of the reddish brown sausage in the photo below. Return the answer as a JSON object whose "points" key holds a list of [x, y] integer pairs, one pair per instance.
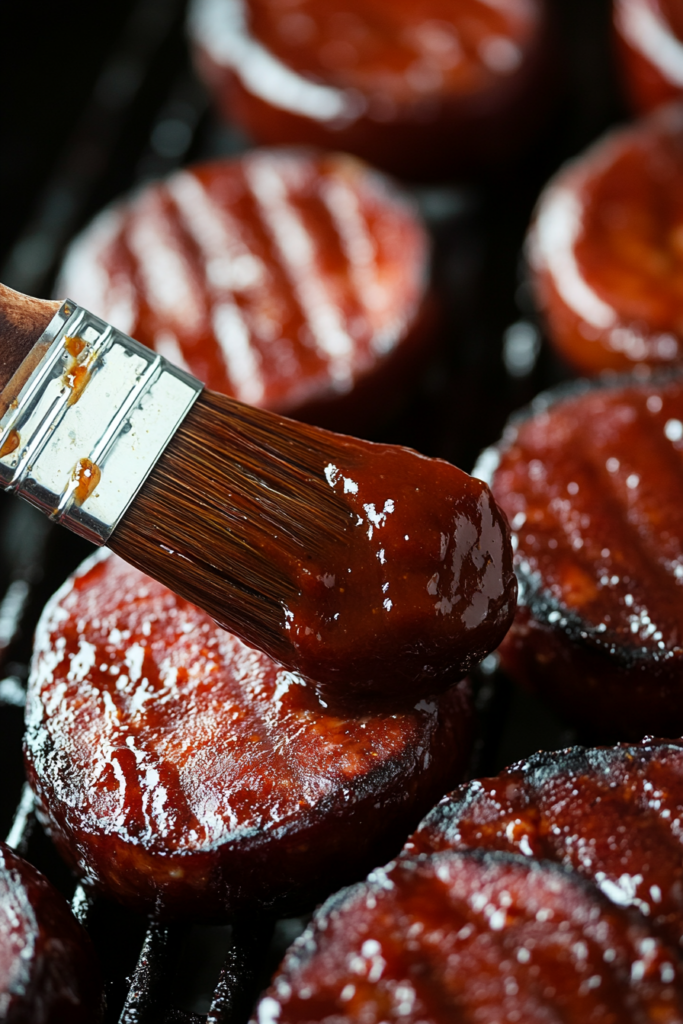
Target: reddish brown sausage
{"points": [[421, 90], [187, 775], [592, 484], [649, 39], [612, 814], [291, 280], [475, 937], [606, 249], [48, 970]]}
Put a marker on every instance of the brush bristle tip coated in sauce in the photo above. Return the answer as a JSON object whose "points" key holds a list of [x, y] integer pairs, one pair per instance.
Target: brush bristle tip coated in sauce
{"points": [[321, 575]]}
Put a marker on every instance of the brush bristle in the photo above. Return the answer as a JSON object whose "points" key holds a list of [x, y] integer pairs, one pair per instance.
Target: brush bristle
{"points": [[367, 568], [238, 496]]}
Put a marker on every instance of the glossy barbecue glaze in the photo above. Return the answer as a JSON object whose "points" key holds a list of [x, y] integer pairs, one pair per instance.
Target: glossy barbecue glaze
{"points": [[593, 487], [606, 249], [613, 814], [475, 937], [421, 592], [649, 37], [287, 279], [48, 971], [417, 89], [187, 775]]}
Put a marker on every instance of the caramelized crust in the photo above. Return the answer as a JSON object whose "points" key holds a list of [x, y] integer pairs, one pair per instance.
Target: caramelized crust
{"points": [[593, 487], [475, 937], [606, 249], [187, 775], [418, 89], [286, 279], [48, 971], [612, 814]]}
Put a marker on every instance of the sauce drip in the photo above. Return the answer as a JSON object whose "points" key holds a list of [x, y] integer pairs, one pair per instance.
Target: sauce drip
{"points": [[74, 346], [87, 476], [76, 378], [10, 444]]}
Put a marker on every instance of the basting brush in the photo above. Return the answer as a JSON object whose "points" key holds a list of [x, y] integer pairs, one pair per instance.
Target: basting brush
{"points": [[368, 568]]}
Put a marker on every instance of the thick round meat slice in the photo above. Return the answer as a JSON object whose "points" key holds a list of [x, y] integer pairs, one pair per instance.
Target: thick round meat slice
{"points": [[185, 774], [606, 249], [460, 937], [649, 36], [418, 89], [48, 970], [612, 814], [287, 279], [592, 484]]}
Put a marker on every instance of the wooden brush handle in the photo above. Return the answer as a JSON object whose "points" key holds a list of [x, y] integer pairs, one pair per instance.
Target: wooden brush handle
{"points": [[22, 321]]}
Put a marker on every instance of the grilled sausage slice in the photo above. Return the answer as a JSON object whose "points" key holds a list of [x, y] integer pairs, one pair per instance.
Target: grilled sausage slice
{"points": [[592, 483], [48, 970], [291, 280], [612, 814], [421, 90], [475, 936], [189, 776]]}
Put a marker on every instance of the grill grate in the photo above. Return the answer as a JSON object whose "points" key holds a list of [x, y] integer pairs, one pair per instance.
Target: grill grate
{"points": [[147, 114]]}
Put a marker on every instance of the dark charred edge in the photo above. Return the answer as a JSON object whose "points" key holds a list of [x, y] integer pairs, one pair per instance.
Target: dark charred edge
{"points": [[532, 594], [543, 868], [579, 632], [533, 774], [567, 391]]}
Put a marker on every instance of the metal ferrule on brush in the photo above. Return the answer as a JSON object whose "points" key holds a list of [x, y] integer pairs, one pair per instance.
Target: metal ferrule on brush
{"points": [[91, 421]]}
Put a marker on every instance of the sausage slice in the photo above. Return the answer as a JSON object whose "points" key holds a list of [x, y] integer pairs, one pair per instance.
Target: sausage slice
{"points": [[187, 775], [48, 970], [612, 814], [474, 936], [592, 483], [291, 280]]}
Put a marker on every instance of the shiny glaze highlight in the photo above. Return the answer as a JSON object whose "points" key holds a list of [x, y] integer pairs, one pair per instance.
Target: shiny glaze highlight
{"points": [[649, 44], [187, 775]]}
